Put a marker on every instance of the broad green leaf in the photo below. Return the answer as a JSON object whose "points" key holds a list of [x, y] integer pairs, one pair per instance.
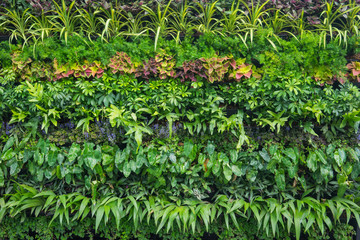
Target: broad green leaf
{"points": [[311, 161], [60, 158], [223, 158], [236, 170], [10, 142], [2, 179], [107, 159], [280, 179], [52, 157], [99, 216], [290, 152], [152, 156], [97, 154], [188, 147], [356, 170], [216, 169], [140, 159], [321, 156], [227, 172], [172, 157], [292, 170], [27, 155], [133, 166], [38, 157], [330, 149], [40, 175], [342, 185], [233, 155], [9, 154], [326, 172], [273, 149], [340, 157], [264, 154], [210, 148], [353, 154], [13, 168], [74, 152], [126, 169]]}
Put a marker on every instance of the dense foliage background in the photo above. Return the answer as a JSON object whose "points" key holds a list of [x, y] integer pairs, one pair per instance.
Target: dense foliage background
{"points": [[143, 120]]}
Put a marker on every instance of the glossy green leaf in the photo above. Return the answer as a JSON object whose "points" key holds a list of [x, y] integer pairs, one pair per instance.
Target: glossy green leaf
{"points": [[227, 172]]}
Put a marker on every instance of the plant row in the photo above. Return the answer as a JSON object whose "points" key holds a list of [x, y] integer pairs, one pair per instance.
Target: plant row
{"points": [[38, 228], [215, 59], [135, 108], [179, 18], [291, 217], [294, 8], [183, 166]]}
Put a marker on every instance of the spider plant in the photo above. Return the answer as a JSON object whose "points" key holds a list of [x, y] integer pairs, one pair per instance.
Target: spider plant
{"points": [[276, 25], [329, 26], [298, 26], [42, 26], [2, 25], [278, 22], [180, 21], [207, 23], [90, 22], [113, 22], [231, 20], [253, 17], [19, 24], [134, 24], [65, 19], [158, 23], [352, 18]]}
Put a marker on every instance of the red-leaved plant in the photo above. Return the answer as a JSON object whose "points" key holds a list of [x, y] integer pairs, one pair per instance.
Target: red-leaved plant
{"points": [[122, 63], [162, 66], [147, 69], [354, 68], [190, 70], [86, 69], [216, 68], [240, 69]]}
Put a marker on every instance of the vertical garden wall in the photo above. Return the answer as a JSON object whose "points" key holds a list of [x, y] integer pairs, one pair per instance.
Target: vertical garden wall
{"points": [[179, 120]]}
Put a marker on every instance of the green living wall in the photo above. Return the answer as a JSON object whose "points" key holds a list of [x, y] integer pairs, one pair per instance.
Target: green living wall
{"points": [[202, 136]]}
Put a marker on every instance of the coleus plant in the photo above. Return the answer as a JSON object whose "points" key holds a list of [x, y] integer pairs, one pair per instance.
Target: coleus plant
{"points": [[21, 67], [147, 69], [216, 68], [323, 74], [86, 69], [41, 70], [62, 71], [190, 70], [122, 63], [162, 66], [31, 69], [166, 65], [241, 69], [354, 68]]}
